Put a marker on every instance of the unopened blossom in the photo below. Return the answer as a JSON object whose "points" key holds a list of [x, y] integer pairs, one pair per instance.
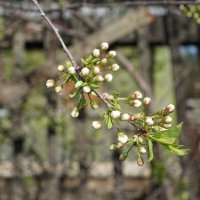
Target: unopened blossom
{"points": [[104, 60], [167, 119], [96, 53], [167, 126], [137, 103], [71, 70], [125, 117], [147, 100], [108, 77], [136, 95], [85, 71], [149, 121], [75, 112], [86, 89], [115, 67], [61, 68], [112, 54], [50, 83], [99, 78], [123, 138], [115, 114], [142, 150], [170, 108], [96, 70], [96, 124], [104, 46], [58, 88]]}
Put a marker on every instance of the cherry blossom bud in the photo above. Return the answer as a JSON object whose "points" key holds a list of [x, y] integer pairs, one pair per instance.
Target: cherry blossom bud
{"points": [[147, 101], [71, 70], [104, 61], [96, 124], [140, 161], [112, 54], [168, 119], [140, 139], [113, 147], [170, 108], [75, 112], [115, 114], [86, 89], [149, 121], [99, 78], [125, 117], [123, 138], [108, 77], [85, 71], [96, 70], [61, 68], [96, 53], [136, 95], [115, 67], [142, 150], [58, 88], [93, 93], [167, 125], [104, 46], [120, 145], [50, 83], [123, 156], [136, 103]]}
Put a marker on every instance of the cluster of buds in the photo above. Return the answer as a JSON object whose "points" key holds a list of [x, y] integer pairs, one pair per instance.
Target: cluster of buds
{"points": [[97, 69], [191, 12]]}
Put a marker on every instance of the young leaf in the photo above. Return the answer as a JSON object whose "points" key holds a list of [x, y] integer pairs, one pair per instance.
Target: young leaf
{"points": [[150, 145], [108, 121], [164, 140], [79, 84], [175, 149], [75, 93]]}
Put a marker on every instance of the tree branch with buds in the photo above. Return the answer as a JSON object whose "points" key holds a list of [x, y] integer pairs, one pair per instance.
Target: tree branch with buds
{"points": [[89, 77]]}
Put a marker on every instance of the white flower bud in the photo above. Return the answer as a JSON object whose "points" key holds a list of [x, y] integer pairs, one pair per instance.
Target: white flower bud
{"points": [[115, 114], [61, 68], [96, 53], [85, 71], [167, 125], [96, 70], [123, 138], [96, 124], [170, 108], [137, 103], [136, 95], [104, 60], [149, 121], [125, 117], [108, 77], [58, 88], [99, 78], [147, 100], [142, 150], [75, 112], [168, 119], [104, 45], [71, 70], [50, 83], [112, 54], [115, 67], [140, 139], [86, 89], [93, 94]]}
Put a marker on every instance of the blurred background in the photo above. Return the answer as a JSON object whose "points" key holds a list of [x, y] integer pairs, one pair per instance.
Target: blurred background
{"points": [[44, 153]]}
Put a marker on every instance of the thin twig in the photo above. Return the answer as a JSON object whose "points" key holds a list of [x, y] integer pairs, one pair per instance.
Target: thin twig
{"points": [[69, 55]]}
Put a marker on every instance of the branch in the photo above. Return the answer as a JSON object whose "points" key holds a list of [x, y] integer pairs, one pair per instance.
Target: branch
{"points": [[57, 34]]}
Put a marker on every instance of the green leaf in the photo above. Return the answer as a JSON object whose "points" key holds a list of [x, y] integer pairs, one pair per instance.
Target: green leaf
{"points": [[79, 84], [83, 61], [94, 86], [150, 145], [176, 149], [82, 102], [167, 137], [108, 120]]}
